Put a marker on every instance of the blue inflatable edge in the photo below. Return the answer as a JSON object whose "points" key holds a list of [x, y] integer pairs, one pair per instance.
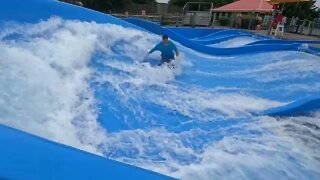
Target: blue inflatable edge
{"points": [[303, 106], [23, 153], [279, 41], [314, 50], [176, 36]]}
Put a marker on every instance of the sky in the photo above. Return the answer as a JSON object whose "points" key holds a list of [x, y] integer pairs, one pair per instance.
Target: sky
{"points": [[165, 1]]}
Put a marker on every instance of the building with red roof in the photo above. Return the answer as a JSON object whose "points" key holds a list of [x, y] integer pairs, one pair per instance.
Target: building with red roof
{"points": [[260, 6]]}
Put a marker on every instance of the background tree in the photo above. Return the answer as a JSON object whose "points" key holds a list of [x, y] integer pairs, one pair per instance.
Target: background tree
{"points": [[144, 1], [216, 3], [303, 10], [114, 5]]}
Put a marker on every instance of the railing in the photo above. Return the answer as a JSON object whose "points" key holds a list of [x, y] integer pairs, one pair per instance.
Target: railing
{"points": [[197, 7], [194, 14], [171, 20], [164, 20], [304, 27], [153, 18], [197, 14]]}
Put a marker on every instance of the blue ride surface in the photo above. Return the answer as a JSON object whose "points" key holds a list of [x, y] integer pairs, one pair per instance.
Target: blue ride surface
{"points": [[238, 105], [298, 107], [29, 157], [207, 37]]}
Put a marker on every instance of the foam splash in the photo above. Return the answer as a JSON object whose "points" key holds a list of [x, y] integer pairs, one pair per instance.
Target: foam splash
{"points": [[285, 69], [273, 150], [45, 73], [235, 42]]}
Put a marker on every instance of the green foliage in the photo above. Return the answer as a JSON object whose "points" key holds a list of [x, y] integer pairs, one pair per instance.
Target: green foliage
{"points": [[106, 5], [216, 3], [224, 21], [143, 1], [245, 22], [303, 10]]}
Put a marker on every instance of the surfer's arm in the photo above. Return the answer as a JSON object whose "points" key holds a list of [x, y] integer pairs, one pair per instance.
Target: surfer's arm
{"points": [[155, 48], [174, 47]]}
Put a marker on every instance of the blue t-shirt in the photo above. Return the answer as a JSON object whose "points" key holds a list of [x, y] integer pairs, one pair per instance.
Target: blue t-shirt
{"points": [[166, 50]]}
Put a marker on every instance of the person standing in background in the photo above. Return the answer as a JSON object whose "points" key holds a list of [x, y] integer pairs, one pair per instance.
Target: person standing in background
{"points": [[259, 21], [238, 20], [272, 20]]}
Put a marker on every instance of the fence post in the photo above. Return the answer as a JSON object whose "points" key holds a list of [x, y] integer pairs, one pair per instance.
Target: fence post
{"points": [[232, 19], [291, 24], [193, 20], [161, 20], [213, 20], [303, 24], [311, 27], [298, 26], [250, 21], [177, 20]]}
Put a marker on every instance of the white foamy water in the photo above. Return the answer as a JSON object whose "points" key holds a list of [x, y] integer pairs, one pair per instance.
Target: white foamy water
{"points": [[48, 71], [44, 74], [235, 42], [294, 68], [287, 148]]}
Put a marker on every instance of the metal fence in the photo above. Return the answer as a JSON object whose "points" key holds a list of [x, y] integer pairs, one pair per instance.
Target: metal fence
{"points": [[198, 14], [152, 9], [304, 27], [153, 18], [292, 25], [133, 8]]}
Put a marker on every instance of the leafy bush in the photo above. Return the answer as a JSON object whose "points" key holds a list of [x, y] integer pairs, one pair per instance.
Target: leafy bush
{"points": [[246, 21], [224, 21]]}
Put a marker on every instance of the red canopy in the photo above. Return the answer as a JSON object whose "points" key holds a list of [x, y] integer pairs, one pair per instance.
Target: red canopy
{"points": [[246, 6]]}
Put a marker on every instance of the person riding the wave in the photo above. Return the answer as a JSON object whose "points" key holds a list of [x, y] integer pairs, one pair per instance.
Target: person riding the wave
{"points": [[167, 49]]}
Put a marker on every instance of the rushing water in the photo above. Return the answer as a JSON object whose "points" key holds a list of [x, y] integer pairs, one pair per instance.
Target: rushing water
{"points": [[82, 84], [235, 42]]}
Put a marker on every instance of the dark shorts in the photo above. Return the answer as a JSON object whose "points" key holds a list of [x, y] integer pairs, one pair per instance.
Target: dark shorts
{"points": [[166, 59]]}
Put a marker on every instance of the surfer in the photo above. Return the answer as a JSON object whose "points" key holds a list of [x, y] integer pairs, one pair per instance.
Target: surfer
{"points": [[167, 48]]}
